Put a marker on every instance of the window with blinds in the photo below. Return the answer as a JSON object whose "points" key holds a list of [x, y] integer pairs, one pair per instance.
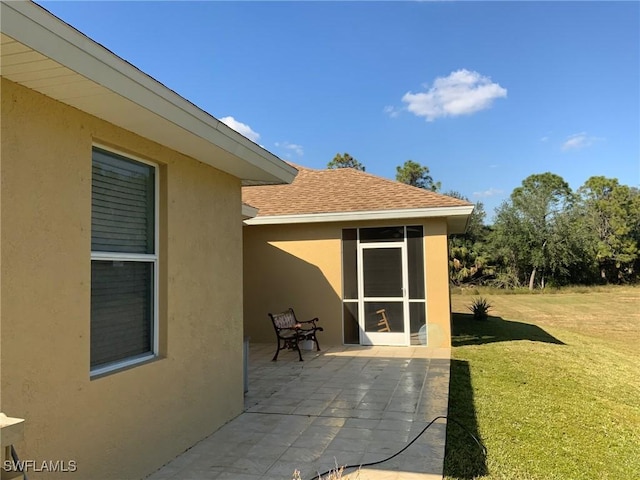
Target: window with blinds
{"points": [[123, 261]]}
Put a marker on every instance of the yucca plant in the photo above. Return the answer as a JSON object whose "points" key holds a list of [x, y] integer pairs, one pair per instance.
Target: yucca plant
{"points": [[480, 307]]}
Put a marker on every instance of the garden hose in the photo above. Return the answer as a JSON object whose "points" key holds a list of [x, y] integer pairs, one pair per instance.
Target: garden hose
{"points": [[347, 467]]}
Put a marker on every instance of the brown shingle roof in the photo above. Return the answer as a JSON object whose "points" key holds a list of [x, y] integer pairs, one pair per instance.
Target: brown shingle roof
{"points": [[341, 190]]}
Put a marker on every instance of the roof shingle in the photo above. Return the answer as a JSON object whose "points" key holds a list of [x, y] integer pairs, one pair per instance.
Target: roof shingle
{"points": [[341, 190]]}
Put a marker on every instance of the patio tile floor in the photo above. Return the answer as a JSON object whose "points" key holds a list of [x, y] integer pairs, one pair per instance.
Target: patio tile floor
{"points": [[346, 405]]}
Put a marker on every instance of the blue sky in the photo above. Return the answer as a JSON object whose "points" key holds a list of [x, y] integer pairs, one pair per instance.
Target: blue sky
{"points": [[483, 93]]}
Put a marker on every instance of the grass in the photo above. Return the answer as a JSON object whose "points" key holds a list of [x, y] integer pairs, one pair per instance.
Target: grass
{"points": [[550, 383]]}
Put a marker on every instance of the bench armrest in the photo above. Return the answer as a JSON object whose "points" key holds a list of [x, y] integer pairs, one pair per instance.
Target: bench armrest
{"points": [[312, 321]]}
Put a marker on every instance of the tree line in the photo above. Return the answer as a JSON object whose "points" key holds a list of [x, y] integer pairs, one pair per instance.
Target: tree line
{"points": [[544, 234]]}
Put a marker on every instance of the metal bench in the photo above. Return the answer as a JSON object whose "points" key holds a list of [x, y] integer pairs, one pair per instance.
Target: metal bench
{"points": [[290, 332]]}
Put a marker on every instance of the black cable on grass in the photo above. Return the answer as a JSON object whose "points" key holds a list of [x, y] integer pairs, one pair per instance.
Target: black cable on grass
{"points": [[482, 447]]}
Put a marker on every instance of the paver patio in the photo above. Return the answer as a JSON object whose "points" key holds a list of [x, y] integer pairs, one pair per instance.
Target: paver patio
{"points": [[346, 405]]}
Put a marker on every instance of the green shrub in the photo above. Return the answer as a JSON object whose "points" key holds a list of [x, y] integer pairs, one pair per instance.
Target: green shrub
{"points": [[480, 308]]}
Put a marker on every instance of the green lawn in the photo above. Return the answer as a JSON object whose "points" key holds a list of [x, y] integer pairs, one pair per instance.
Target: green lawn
{"points": [[550, 384]]}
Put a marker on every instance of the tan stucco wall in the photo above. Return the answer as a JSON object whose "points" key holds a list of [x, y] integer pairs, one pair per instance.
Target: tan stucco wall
{"points": [[437, 278], [300, 266], [129, 423], [296, 266]]}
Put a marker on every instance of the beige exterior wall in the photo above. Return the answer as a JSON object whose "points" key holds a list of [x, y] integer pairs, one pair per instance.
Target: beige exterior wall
{"points": [[295, 266], [300, 266], [437, 273], [129, 423]]}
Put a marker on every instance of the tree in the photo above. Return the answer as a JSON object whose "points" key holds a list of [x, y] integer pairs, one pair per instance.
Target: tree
{"points": [[532, 230], [508, 245], [612, 215], [412, 173], [469, 260], [345, 161], [476, 229]]}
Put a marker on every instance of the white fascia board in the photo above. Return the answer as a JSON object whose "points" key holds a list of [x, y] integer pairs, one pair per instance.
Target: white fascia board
{"points": [[31, 25], [248, 211], [460, 211]]}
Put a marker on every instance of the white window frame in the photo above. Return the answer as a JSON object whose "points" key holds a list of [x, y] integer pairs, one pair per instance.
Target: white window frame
{"points": [[135, 257]]}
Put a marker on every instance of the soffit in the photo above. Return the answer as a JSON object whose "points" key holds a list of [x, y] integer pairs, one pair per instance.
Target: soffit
{"points": [[42, 53]]}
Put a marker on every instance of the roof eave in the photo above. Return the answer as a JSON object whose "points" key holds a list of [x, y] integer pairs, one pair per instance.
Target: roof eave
{"points": [[457, 217], [248, 211], [152, 110]]}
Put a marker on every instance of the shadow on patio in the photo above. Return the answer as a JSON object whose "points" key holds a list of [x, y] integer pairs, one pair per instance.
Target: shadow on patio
{"points": [[346, 405]]}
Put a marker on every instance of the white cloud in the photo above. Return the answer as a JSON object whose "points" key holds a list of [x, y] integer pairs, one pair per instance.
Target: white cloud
{"points": [[292, 147], [492, 192], [544, 139], [578, 141], [461, 93], [241, 128]]}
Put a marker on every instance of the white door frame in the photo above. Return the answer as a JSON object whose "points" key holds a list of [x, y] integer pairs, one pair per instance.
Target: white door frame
{"points": [[384, 338]]}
